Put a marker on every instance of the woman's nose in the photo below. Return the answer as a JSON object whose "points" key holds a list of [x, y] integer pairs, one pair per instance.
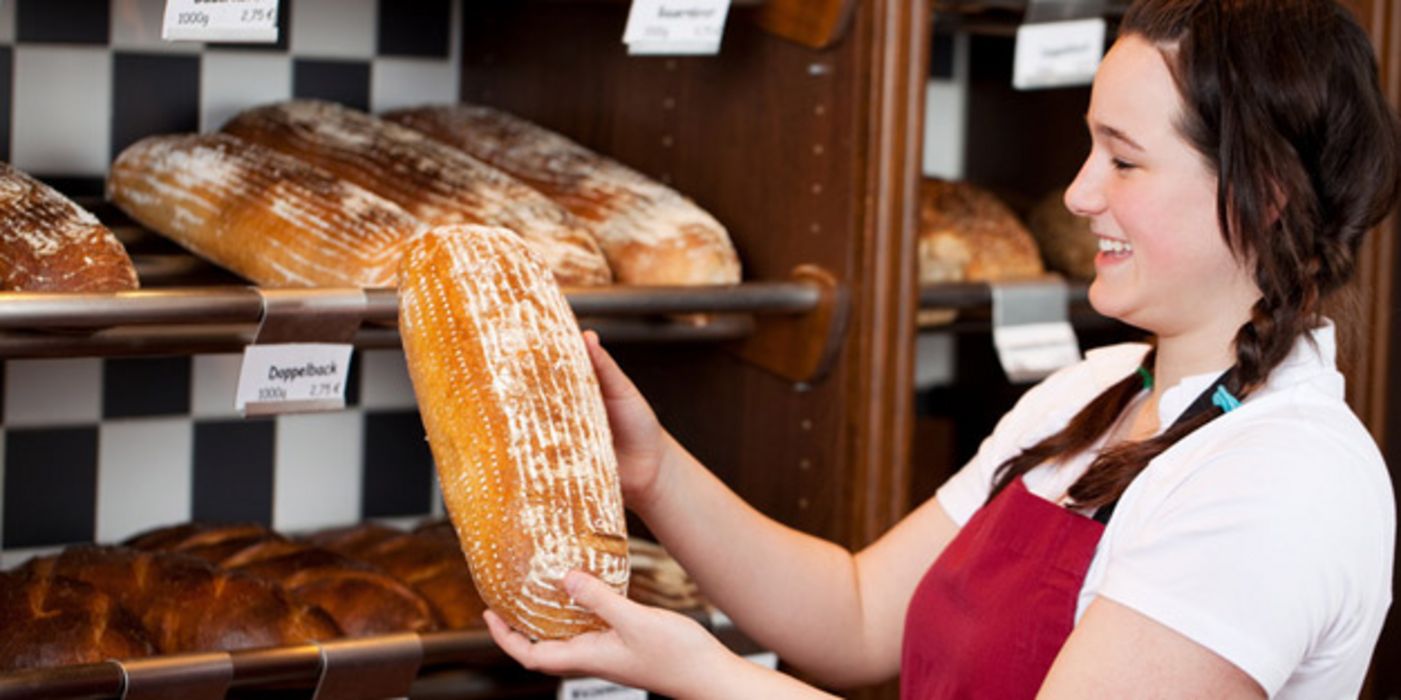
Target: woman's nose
{"points": [[1084, 196]]}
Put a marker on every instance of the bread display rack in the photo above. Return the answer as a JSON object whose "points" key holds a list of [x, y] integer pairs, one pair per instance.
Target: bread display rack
{"points": [[346, 669]]}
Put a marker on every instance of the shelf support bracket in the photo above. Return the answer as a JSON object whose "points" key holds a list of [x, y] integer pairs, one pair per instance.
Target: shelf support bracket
{"points": [[801, 347]]}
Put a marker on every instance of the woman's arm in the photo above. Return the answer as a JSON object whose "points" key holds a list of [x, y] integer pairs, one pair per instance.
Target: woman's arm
{"points": [[833, 615], [1116, 652]]}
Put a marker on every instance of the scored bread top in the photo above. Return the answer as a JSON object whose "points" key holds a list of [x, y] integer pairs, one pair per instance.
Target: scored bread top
{"points": [[516, 423], [651, 233], [48, 243], [269, 217], [439, 185]]}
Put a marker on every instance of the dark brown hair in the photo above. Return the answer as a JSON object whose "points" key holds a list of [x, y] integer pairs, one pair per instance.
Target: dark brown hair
{"points": [[1281, 98]]}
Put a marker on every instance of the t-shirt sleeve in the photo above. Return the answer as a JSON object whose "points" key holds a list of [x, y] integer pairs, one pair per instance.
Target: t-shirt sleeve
{"points": [[1236, 558]]}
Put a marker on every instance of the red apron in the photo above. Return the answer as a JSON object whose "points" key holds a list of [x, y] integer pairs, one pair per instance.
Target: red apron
{"points": [[995, 609]]}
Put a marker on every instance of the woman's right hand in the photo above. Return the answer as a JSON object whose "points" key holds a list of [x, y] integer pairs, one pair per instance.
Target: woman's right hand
{"points": [[638, 438]]}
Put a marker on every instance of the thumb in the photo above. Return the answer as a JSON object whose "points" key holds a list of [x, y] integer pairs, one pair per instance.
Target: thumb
{"points": [[597, 596]]}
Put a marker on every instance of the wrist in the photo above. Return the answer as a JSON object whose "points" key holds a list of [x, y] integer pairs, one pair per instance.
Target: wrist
{"points": [[653, 498]]}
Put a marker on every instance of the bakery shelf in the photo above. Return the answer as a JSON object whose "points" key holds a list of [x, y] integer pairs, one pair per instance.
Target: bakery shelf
{"points": [[1002, 17], [967, 307], [227, 318], [461, 664]]}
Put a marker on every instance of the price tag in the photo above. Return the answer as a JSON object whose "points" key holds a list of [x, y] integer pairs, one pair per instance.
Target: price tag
{"points": [[676, 27], [292, 378], [1032, 351], [597, 689], [220, 20], [1031, 329], [1057, 54]]}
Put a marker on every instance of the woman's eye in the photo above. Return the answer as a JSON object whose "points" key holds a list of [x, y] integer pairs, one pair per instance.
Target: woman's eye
{"points": [[1120, 164]]}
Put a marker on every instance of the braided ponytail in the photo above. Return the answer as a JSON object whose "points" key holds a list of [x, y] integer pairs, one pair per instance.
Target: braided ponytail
{"points": [[1305, 149]]}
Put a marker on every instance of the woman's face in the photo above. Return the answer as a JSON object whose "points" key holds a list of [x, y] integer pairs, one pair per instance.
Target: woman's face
{"points": [[1151, 200]]}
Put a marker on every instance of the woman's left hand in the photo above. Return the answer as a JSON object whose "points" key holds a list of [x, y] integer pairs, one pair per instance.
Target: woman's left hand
{"points": [[648, 648]]}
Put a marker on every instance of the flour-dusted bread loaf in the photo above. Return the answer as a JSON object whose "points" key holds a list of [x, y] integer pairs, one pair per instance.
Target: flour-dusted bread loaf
{"points": [[650, 233], [50, 244], [516, 424], [966, 234], [266, 216], [1064, 238], [437, 184]]}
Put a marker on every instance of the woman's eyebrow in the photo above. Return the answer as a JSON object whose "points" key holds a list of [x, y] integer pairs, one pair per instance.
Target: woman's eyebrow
{"points": [[1108, 131]]}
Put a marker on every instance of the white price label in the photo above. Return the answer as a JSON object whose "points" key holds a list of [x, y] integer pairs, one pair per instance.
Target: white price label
{"points": [[676, 27], [1032, 351], [292, 377], [597, 689], [220, 20], [1057, 54]]}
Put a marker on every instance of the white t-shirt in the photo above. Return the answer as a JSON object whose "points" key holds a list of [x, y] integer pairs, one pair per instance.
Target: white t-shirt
{"points": [[1266, 536]]}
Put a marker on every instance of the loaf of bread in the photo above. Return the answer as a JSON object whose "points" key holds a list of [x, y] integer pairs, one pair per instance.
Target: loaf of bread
{"points": [[1064, 238], [966, 234], [48, 621], [269, 217], [185, 604], [437, 184], [50, 244], [650, 233], [360, 598], [428, 559], [516, 424]]}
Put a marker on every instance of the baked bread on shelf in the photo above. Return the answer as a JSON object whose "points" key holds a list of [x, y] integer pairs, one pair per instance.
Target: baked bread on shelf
{"points": [[50, 244], [185, 604], [48, 621], [651, 233], [266, 216], [1064, 238], [437, 184], [429, 559], [360, 598], [966, 234], [516, 424]]}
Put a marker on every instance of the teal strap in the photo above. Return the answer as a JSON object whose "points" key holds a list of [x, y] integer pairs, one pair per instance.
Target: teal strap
{"points": [[1147, 377], [1224, 400]]}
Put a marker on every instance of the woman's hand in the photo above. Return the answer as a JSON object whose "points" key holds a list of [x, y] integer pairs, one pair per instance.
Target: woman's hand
{"points": [[648, 648], [638, 438]]}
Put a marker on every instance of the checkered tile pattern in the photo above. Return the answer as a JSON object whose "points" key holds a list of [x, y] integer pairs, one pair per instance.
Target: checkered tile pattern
{"points": [[97, 449], [82, 79]]}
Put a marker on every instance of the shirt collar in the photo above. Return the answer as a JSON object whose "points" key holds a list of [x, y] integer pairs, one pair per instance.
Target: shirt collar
{"points": [[1305, 361]]}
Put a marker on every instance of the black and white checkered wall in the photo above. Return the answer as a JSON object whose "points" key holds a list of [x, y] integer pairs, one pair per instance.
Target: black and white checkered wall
{"points": [[95, 449]]}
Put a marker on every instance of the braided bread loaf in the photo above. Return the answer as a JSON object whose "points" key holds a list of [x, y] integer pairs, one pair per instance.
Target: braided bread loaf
{"points": [[187, 605], [516, 424], [428, 560], [50, 621], [361, 599]]}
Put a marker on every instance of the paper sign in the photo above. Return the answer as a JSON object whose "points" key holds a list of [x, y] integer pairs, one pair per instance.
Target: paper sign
{"points": [[220, 20], [292, 378], [676, 27], [1032, 351], [1057, 54], [596, 689]]}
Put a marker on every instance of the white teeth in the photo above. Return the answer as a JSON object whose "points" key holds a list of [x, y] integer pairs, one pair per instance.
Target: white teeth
{"points": [[1109, 245]]}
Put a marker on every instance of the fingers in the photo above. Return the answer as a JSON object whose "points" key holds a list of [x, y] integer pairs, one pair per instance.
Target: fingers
{"points": [[611, 378], [598, 597]]}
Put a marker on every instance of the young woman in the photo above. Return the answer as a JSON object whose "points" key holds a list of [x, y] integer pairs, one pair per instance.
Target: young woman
{"points": [[1199, 518]]}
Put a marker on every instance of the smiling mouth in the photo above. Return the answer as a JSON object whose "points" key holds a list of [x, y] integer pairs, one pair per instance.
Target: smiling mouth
{"points": [[1114, 247]]}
